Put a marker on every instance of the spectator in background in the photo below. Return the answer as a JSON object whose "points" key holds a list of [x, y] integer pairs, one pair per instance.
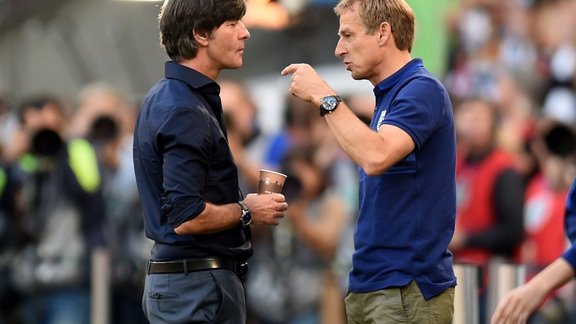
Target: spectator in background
{"points": [[104, 117], [296, 132], [291, 266], [8, 125], [318, 217], [38, 113], [530, 43], [244, 137], [63, 217], [516, 120], [10, 236], [128, 246], [311, 142], [554, 147], [490, 193], [101, 99]]}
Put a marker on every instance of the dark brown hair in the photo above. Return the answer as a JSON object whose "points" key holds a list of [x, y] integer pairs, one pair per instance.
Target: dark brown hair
{"points": [[180, 19]]}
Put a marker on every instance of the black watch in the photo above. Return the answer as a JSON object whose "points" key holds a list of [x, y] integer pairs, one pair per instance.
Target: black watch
{"points": [[329, 104], [246, 217]]}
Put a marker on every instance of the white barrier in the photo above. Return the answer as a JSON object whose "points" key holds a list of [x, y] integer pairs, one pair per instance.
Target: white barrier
{"points": [[100, 287], [466, 294], [503, 277]]}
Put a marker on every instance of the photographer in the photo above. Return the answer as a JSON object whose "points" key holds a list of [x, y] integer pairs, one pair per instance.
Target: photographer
{"points": [[62, 218]]}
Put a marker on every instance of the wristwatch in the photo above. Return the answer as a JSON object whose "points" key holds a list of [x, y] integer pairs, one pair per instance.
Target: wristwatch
{"points": [[329, 104], [246, 217]]}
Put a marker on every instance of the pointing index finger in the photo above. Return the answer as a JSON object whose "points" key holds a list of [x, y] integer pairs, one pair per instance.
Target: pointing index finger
{"points": [[289, 69]]}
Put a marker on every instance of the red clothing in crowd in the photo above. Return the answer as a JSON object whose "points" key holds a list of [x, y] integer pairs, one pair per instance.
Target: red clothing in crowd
{"points": [[544, 222], [475, 205]]}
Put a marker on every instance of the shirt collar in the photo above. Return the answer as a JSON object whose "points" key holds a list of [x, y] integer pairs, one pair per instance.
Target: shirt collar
{"points": [[390, 81], [208, 88], [191, 77]]}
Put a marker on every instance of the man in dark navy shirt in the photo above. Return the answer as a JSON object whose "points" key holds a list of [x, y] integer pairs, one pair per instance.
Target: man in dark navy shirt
{"points": [[187, 179]]}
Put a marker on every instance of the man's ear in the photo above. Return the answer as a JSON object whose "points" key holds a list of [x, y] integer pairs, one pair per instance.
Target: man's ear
{"points": [[384, 33], [201, 37]]}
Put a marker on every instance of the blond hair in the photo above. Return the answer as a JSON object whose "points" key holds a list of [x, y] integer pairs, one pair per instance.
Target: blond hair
{"points": [[397, 13]]}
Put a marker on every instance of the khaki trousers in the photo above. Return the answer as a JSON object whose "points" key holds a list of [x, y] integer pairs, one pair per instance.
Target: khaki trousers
{"points": [[399, 305]]}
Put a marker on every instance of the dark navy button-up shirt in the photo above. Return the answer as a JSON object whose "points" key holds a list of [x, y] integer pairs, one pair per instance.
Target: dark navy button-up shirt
{"points": [[182, 161]]}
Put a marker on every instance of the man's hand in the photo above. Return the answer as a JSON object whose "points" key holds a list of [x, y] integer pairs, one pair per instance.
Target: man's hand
{"points": [[266, 208], [517, 306], [307, 83], [519, 303]]}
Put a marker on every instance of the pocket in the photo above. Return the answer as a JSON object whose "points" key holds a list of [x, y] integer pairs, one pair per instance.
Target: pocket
{"points": [[162, 306], [219, 301], [182, 298], [442, 307], [385, 306], [161, 302], [232, 297]]}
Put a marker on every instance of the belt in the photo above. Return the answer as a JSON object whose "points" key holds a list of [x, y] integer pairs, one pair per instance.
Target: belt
{"points": [[202, 264]]}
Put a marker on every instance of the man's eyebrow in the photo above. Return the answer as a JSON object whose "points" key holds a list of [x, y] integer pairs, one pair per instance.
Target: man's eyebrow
{"points": [[344, 30]]}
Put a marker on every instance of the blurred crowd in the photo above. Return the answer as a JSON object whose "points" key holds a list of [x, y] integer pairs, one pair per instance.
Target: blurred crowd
{"points": [[511, 76], [67, 185], [67, 190]]}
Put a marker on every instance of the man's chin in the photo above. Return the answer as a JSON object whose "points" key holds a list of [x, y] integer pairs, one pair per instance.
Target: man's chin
{"points": [[236, 67], [356, 76], [233, 66]]}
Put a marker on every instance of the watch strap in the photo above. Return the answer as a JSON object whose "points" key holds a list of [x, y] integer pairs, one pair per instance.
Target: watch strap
{"points": [[246, 216]]}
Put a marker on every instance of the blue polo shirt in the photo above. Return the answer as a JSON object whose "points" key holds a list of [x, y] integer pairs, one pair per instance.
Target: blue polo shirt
{"points": [[570, 225], [407, 214], [182, 161]]}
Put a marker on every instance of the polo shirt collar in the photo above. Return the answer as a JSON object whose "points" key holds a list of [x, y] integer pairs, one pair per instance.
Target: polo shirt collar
{"points": [[390, 81]]}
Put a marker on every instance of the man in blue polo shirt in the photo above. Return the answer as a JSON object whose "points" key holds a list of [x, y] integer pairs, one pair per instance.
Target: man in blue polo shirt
{"points": [[186, 177], [401, 267]]}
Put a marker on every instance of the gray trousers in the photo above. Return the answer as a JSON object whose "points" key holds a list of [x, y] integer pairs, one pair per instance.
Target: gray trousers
{"points": [[211, 296]]}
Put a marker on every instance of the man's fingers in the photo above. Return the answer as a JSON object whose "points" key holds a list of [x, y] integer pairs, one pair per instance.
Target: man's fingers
{"points": [[283, 207], [501, 312], [289, 69], [292, 68], [278, 197]]}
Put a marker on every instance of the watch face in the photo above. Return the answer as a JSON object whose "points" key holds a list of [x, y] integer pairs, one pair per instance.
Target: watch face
{"points": [[246, 217], [329, 103]]}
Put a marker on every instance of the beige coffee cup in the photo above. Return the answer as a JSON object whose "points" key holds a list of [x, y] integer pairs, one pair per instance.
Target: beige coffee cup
{"points": [[270, 181]]}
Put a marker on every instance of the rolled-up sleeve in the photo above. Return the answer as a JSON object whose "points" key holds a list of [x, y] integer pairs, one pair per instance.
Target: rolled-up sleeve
{"points": [[186, 149]]}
